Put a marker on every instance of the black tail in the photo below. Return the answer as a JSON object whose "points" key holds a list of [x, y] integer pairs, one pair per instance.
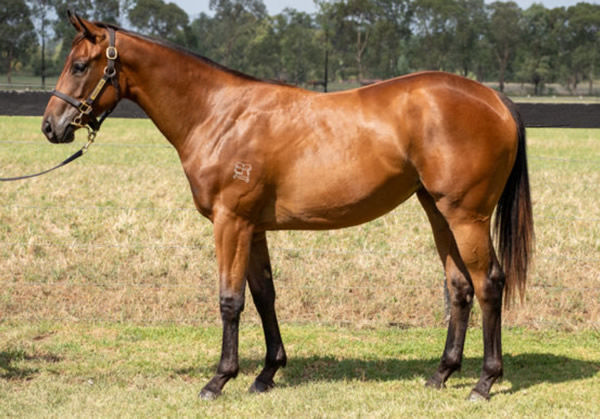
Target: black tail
{"points": [[513, 226]]}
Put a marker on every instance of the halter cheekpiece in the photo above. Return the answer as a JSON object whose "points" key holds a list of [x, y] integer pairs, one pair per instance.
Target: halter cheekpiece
{"points": [[85, 108]]}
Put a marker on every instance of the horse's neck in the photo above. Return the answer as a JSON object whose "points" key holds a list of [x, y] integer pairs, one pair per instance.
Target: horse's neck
{"points": [[176, 90]]}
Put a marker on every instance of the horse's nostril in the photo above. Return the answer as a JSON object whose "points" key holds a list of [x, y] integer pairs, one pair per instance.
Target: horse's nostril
{"points": [[47, 127]]}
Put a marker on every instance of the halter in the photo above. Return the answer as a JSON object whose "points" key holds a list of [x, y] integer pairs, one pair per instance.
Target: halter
{"points": [[85, 108]]}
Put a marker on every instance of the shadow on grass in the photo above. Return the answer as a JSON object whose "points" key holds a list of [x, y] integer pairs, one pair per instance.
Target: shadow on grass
{"points": [[522, 371], [10, 371]]}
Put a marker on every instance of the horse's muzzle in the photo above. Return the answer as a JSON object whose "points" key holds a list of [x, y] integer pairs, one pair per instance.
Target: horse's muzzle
{"points": [[56, 135]]}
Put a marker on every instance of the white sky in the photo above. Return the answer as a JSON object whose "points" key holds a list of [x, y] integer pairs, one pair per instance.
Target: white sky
{"points": [[195, 7]]}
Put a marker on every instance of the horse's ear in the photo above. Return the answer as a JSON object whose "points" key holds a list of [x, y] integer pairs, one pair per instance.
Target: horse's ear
{"points": [[80, 25]]}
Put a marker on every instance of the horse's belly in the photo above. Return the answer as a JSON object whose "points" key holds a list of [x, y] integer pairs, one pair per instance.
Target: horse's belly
{"points": [[327, 202]]}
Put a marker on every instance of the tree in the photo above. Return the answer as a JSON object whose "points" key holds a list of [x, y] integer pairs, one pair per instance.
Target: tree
{"points": [[584, 23], [236, 22], [390, 33], [504, 34], [469, 17], [435, 28], [299, 51], [40, 13], [160, 19], [17, 35], [358, 17], [534, 61]]}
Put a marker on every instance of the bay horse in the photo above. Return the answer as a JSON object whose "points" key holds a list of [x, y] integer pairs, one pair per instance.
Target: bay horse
{"points": [[263, 156]]}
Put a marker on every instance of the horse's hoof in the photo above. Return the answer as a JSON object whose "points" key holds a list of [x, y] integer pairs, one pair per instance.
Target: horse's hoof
{"points": [[433, 383], [260, 387], [208, 394], [476, 396]]}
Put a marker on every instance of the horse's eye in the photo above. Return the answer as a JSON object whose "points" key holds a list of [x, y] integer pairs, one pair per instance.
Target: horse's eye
{"points": [[79, 67]]}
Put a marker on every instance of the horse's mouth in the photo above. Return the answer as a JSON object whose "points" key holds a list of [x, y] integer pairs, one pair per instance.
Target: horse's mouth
{"points": [[67, 137], [69, 134]]}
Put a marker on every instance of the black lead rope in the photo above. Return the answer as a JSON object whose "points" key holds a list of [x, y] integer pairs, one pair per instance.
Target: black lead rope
{"points": [[68, 160]]}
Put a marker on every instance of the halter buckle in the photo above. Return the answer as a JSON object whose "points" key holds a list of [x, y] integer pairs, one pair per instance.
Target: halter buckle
{"points": [[111, 53], [84, 108]]}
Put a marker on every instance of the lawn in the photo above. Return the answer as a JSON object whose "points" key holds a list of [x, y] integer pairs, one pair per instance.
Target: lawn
{"points": [[110, 370]]}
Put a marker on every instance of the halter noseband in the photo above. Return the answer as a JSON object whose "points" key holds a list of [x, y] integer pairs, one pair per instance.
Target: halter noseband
{"points": [[85, 108]]}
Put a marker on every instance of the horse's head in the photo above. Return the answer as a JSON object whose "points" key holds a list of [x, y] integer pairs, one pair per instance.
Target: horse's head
{"points": [[88, 84]]}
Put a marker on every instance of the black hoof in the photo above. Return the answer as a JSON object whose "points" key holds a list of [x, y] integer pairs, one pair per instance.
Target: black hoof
{"points": [[260, 387], [476, 396], [435, 383], [208, 394]]}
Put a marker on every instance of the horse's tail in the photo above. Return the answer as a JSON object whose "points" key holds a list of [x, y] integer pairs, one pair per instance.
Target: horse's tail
{"points": [[513, 225]]}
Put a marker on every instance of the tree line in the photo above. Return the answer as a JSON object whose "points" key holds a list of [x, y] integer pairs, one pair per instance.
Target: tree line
{"points": [[358, 40]]}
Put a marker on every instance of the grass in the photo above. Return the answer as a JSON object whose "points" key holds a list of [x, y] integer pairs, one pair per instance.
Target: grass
{"points": [[108, 297], [108, 370]]}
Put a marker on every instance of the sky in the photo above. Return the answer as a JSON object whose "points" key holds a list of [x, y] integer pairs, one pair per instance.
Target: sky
{"points": [[195, 7]]}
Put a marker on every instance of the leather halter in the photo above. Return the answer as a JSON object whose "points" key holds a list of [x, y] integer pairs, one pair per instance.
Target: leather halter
{"points": [[85, 108]]}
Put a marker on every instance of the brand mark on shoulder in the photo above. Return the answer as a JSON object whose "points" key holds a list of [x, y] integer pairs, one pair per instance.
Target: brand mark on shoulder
{"points": [[242, 171]]}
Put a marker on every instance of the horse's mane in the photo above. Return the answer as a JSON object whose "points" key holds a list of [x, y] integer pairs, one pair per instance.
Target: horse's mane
{"points": [[185, 51]]}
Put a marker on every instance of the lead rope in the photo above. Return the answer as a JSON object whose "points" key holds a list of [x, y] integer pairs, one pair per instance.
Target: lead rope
{"points": [[74, 156]]}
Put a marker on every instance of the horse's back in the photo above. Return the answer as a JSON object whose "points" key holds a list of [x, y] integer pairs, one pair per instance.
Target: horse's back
{"points": [[356, 155]]}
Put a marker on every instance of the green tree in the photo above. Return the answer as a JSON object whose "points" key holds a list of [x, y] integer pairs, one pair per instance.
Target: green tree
{"points": [[504, 34], [17, 35], [263, 56], [160, 19], [236, 23], [469, 17], [435, 29], [584, 24], [390, 34], [300, 54], [40, 14], [357, 17], [534, 63]]}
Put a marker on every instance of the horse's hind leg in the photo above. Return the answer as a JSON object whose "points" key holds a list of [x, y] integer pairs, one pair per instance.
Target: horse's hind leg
{"points": [[263, 293], [460, 292], [471, 230]]}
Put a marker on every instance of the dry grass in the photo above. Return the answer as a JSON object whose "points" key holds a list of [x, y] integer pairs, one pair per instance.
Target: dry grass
{"points": [[115, 237]]}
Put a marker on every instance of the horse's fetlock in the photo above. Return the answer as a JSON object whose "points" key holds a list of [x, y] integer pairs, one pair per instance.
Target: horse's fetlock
{"points": [[452, 361], [280, 357], [493, 368], [228, 370]]}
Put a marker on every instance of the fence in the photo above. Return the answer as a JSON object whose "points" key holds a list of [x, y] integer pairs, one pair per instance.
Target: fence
{"points": [[571, 115]]}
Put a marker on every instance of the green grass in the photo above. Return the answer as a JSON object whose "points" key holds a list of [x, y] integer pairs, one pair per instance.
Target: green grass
{"points": [[109, 370]]}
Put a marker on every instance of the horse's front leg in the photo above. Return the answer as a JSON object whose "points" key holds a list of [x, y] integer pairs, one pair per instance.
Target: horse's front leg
{"points": [[233, 237]]}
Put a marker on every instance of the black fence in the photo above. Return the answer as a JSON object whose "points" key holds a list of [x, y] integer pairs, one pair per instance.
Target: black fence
{"points": [[566, 115]]}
